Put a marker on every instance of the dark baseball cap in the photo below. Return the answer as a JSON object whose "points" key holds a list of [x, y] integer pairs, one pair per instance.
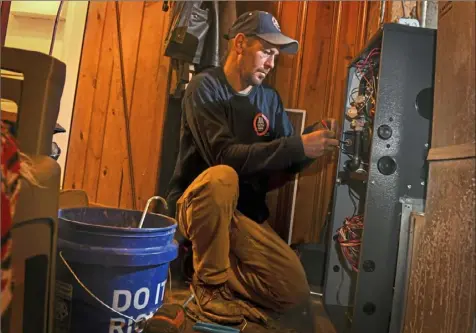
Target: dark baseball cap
{"points": [[265, 26]]}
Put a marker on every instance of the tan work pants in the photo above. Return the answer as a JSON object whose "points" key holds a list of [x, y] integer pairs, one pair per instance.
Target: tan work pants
{"points": [[228, 246]]}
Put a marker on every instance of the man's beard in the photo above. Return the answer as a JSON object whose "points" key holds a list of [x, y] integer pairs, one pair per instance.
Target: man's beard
{"points": [[255, 80]]}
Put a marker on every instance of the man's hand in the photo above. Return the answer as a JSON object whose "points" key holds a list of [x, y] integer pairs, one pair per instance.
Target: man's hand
{"points": [[319, 142]]}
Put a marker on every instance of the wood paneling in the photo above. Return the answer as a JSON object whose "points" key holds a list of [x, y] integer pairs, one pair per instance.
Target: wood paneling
{"points": [[97, 158], [314, 97], [292, 18], [113, 165], [96, 114], [90, 80], [455, 61], [268, 6], [373, 16], [442, 288]]}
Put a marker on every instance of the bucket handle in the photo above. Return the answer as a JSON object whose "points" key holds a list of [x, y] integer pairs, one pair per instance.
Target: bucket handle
{"points": [[147, 208], [138, 324]]}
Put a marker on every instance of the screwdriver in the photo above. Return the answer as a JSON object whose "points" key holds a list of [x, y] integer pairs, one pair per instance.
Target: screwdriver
{"points": [[214, 328]]}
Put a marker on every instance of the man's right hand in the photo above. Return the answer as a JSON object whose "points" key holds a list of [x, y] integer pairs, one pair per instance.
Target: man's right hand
{"points": [[319, 142]]}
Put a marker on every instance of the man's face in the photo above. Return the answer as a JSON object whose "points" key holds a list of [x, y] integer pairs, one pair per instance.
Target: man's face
{"points": [[257, 60]]}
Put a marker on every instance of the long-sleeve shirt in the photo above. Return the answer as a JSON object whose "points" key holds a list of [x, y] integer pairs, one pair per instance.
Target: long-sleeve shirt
{"points": [[250, 133]]}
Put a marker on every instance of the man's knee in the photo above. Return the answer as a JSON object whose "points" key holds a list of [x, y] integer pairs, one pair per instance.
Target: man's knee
{"points": [[221, 182], [222, 175]]}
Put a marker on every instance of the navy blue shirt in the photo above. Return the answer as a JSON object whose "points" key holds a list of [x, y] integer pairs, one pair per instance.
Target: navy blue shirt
{"points": [[251, 133]]}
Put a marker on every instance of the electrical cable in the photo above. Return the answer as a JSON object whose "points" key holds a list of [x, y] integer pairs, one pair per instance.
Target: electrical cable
{"points": [[55, 27], [125, 106], [366, 71], [349, 237], [353, 198]]}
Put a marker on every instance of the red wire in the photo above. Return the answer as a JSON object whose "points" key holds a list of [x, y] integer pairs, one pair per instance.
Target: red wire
{"points": [[349, 238]]}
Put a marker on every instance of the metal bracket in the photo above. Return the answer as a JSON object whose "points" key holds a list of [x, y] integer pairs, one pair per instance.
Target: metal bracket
{"points": [[409, 206]]}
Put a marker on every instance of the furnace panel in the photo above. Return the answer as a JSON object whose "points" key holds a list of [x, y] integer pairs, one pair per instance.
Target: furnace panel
{"points": [[386, 127]]}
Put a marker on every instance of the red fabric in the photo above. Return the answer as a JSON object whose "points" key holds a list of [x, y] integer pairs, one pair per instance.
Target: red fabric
{"points": [[10, 171]]}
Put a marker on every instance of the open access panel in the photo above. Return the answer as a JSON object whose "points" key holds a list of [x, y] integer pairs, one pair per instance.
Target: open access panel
{"points": [[382, 164]]}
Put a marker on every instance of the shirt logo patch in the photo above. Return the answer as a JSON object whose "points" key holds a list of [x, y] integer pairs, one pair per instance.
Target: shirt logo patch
{"points": [[261, 124]]}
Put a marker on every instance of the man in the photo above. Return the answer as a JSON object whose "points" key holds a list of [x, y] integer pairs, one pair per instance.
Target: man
{"points": [[235, 139]]}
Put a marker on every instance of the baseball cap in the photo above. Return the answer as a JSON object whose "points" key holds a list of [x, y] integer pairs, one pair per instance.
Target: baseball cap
{"points": [[265, 26]]}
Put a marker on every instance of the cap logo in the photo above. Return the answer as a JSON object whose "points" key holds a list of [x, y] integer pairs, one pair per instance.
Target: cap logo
{"points": [[261, 124], [275, 22]]}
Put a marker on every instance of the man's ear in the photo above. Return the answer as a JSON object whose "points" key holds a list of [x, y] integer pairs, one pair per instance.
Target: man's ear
{"points": [[240, 43]]}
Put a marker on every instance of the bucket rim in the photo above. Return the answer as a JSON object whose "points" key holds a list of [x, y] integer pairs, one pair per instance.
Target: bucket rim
{"points": [[173, 225]]}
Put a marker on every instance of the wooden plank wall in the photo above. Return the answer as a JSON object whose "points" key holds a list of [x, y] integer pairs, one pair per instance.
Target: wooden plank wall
{"points": [[442, 288], [97, 160]]}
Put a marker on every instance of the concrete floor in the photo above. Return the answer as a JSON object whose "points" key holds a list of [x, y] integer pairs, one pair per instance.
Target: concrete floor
{"points": [[310, 319]]}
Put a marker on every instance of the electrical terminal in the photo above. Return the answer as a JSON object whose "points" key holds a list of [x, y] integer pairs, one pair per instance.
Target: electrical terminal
{"points": [[352, 112], [360, 99], [358, 124]]}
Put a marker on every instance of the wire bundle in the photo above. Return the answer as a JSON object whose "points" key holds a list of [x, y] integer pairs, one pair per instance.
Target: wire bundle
{"points": [[349, 237], [367, 70]]}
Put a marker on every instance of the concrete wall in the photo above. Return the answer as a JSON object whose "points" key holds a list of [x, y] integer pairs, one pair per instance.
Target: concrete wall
{"points": [[30, 27]]}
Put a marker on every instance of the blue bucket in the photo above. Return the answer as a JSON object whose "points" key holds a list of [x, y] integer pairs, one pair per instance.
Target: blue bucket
{"points": [[110, 275]]}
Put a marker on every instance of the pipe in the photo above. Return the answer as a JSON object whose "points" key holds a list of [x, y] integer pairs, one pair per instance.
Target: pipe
{"points": [[382, 12], [424, 9], [55, 27]]}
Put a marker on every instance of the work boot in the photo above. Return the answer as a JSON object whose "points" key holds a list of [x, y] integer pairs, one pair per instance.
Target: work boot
{"points": [[219, 304]]}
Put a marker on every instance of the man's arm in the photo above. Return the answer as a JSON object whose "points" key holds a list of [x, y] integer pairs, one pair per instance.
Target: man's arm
{"points": [[285, 129], [208, 124]]}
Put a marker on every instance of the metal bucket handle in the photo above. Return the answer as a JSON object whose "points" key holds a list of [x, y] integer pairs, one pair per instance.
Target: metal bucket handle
{"points": [[144, 213], [138, 324]]}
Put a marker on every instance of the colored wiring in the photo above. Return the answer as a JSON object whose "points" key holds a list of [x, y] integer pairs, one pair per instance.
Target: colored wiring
{"points": [[349, 237], [363, 98], [366, 71]]}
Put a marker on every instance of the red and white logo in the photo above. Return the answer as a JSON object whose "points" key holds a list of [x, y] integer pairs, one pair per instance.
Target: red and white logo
{"points": [[261, 124]]}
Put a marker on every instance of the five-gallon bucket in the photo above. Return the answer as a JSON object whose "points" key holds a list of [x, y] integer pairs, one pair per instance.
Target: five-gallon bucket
{"points": [[110, 274]]}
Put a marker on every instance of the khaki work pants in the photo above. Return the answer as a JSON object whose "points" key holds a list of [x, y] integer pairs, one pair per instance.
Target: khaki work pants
{"points": [[228, 246]]}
